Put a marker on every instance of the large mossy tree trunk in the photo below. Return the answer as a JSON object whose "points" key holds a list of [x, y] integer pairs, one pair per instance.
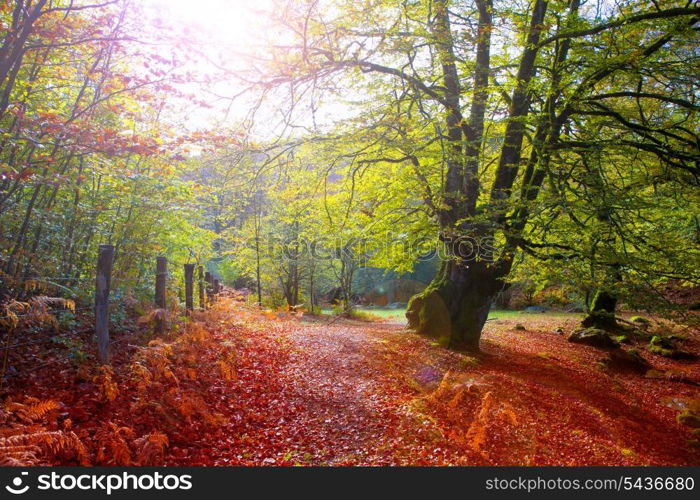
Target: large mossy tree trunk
{"points": [[454, 307], [602, 311]]}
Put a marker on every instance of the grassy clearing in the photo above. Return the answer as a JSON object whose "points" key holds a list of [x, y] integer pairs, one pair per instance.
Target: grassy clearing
{"points": [[399, 315]]}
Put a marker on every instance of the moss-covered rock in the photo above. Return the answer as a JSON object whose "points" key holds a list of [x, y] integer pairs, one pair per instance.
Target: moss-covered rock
{"points": [[640, 333], [659, 345], [640, 320], [665, 347], [655, 374], [595, 337], [689, 418]]}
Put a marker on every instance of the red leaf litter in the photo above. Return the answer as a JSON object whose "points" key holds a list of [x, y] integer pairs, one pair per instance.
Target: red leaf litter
{"points": [[315, 392]]}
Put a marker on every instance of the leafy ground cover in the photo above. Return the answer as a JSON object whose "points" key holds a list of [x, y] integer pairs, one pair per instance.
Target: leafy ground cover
{"points": [[237, 386]]}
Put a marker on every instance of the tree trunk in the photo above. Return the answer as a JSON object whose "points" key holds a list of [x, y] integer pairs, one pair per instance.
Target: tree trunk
{"points": [[455, 306], [602, 313]]}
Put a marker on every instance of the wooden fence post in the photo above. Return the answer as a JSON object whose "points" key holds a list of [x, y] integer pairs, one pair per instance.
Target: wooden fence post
{"points": [[200, 285], [217, 288], [161, 281], [103, 279], [189, 288]]}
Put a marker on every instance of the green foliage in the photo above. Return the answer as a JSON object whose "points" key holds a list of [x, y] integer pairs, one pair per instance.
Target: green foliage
{"points": [[578, 164], [85, 155], [75, 346]]}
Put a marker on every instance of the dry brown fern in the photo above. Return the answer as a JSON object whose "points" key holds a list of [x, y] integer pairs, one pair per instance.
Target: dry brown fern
{"points": [[150, 449], [157, 370], [152, 315], [31, 410], [476, 435], [44, 302], [112, 445], [227, 366], [23, 441], [36, 312], [105, 383]]}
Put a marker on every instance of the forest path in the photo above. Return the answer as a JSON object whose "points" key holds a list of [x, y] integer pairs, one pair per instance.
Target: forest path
{"points": [[356, 393], [334, 400]]}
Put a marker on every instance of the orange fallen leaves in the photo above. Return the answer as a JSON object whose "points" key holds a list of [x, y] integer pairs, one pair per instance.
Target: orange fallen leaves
{"points": [[240, 386]]}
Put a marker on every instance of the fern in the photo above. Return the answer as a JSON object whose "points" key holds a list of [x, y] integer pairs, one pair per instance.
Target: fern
{"points": [[152, 315], [24, 442], [44, 302], [112, 446], [227, 367], [35, 312], [476, 435], [106, 384], [32, 410], [150, 449]]}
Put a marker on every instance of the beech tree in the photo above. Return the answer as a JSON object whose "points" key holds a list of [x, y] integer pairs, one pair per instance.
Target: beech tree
{"points": [[478, 97]]}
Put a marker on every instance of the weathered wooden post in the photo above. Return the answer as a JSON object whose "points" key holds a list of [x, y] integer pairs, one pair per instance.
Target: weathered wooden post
{"points": [[189, 288], [103, 279], [217, 288], [161, 283], [200, 285]]}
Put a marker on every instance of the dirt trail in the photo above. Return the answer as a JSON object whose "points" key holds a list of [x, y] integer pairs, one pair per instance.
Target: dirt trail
{"points": [[370, 393], [334, 403]]}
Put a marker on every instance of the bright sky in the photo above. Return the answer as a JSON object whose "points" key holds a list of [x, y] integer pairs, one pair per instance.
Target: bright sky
{"points": [[231, 34], [228, 33], [228, 17]]}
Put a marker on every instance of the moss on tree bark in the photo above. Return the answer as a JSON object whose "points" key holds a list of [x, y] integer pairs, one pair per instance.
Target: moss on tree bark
{"points": [[602, 312], [454, 307]]}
